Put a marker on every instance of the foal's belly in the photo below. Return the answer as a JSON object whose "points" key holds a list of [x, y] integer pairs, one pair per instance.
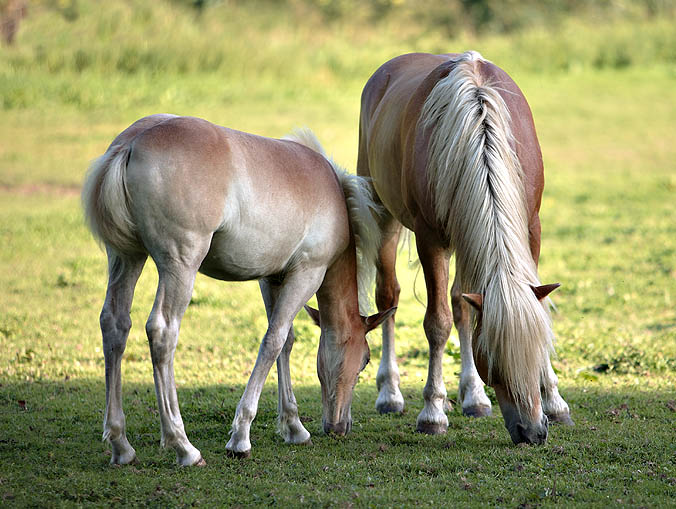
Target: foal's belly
{"points": [[246, 256]]}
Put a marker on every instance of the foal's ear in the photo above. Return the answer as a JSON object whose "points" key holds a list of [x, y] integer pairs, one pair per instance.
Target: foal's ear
{"points": [[476, 300], [371, 322], [314, 314], [542, 291]]}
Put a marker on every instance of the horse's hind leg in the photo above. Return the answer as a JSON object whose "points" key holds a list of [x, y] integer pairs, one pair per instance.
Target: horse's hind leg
{"points": [[389, 399], [437, 323], [288, 423], [176, 280], [471, 393], [123, 274]]}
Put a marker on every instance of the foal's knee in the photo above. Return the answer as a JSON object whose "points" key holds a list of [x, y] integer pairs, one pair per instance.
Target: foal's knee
{"points": [[114, 329], [161, 337]]}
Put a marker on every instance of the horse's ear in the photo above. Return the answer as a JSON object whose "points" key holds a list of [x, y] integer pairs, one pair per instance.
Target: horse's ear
{"points": [[371, 322], [542, 291], [476, 300], [314, 314]]}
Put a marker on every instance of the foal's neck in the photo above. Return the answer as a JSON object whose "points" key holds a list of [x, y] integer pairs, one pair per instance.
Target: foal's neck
{"points": [[338, 297]]}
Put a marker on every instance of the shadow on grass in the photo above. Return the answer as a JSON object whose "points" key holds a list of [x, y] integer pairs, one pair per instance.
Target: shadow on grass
{"points": [[50, 436]]}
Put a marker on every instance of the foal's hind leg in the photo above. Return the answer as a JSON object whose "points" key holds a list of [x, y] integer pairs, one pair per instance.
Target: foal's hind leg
{"points": [[115, 324], [288, 423], [176, 280], [295, 291], [471, 393], [389, 399], [438, 322]]}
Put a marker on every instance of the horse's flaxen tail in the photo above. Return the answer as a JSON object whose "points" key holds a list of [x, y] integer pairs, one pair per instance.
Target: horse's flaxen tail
{"points": [[106, 202], [477, 185], [363, 212]]}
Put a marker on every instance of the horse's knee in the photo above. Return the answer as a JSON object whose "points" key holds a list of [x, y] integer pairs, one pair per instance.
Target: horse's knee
{"points": [[438, 327], [387, 295]]}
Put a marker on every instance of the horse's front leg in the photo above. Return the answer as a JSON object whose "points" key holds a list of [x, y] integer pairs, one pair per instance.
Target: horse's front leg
{"points": [[288, 422], [437, 323], [389, 399], [176, 280], [115, 324], [471, 393], [294, 292], [553, 405]]}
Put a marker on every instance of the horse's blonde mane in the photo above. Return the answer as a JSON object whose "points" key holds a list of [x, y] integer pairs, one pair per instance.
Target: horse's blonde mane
{"points": [[363, 212], [477, 186]]}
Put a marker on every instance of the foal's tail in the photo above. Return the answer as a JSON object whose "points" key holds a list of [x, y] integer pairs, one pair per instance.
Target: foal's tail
{"points": [[106, 201], [363, 212], [478, 191]]}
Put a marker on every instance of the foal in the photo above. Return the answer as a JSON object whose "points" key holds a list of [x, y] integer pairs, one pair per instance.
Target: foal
{"points": [[234, 206]]}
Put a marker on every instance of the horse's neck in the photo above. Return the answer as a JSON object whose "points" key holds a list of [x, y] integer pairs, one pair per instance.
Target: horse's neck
{"points": [[338, 296]]}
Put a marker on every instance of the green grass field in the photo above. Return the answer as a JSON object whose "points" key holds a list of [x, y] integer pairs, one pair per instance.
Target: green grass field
{"points": [[604, 101]]}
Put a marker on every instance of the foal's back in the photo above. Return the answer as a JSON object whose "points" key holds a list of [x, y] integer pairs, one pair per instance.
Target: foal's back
{"points": [[266, 204]]}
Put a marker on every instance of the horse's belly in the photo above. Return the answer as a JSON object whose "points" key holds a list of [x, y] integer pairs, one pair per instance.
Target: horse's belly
{"points": [[243, 257]]}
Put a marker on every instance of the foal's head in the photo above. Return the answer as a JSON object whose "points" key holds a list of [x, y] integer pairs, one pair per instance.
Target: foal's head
{"points": [[343, 354], [517, 388]]}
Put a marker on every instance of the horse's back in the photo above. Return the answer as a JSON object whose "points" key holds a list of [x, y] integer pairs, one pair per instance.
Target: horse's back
{"points": [[265, 203], [393, 141]]}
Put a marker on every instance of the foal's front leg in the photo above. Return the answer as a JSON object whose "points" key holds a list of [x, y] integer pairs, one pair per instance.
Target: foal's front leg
{"points": [[437, 323], [288, 422], [294, 292]]}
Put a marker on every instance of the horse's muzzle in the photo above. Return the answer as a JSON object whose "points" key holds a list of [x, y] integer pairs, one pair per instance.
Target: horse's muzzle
{"points": [[529, 433], [340, 428]]}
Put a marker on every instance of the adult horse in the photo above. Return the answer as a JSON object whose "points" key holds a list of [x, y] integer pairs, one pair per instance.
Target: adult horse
{"points": [[234, 206], [450, 146]]}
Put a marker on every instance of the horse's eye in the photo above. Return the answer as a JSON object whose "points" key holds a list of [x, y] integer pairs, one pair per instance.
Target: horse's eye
{"points": [[367, 359]]}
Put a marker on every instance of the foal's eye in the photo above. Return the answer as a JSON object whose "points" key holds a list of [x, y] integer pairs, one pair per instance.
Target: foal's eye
{"points": [[367, 359]]}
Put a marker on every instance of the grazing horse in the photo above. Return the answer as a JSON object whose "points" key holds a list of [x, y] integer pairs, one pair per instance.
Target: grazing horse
{"points": [[450, 146], [234, 206]]}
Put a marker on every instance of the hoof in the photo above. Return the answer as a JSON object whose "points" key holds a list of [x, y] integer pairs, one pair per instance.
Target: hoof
{"points": [[241, 455], [390, 408], [116, 462], [200, 463], [308, 442], [477, 411], [562, 418], [431, 428]]}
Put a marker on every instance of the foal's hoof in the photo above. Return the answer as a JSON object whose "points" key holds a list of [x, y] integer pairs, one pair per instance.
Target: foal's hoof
{"points": [[477, 411], [119, 464], [431, 428], [240, 455], [308, 442], [561, 418]]}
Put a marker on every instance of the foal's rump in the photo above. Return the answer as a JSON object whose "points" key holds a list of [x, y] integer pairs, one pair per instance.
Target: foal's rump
{"points": [[262, 204]]}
